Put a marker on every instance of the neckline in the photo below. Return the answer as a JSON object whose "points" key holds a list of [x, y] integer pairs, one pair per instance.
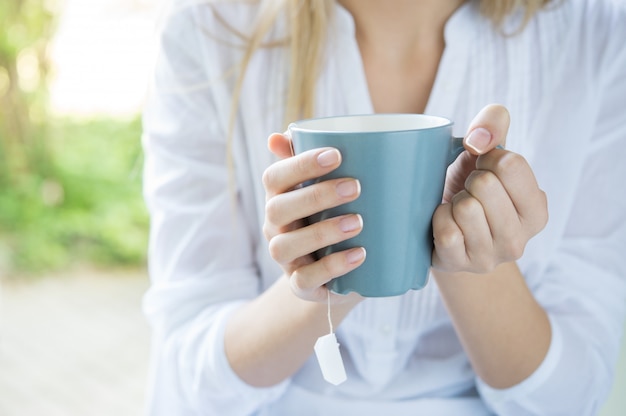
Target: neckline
{"points": [[459, 30], [456, 27]]}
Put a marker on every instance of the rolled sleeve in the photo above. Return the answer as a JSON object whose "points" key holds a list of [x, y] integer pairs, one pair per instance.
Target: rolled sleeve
{"points": [[586, 317], [193, 373], [519, 399], [253, 397], [202, 251]]}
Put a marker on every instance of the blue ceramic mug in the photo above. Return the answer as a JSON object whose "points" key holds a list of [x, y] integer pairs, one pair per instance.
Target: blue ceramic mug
{"points": [[401, 162]]}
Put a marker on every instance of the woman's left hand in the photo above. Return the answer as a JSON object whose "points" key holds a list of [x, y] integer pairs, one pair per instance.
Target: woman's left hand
{"points": [[492, 203]]}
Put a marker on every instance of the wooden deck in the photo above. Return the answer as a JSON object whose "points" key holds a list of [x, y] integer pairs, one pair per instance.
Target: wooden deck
{"points": [[73, 345]]}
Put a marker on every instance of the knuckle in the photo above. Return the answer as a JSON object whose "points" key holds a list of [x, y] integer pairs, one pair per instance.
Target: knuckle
{"points": [[466, 208], [330, 266], [316, 195], [302, 164], [517, 250], [447, 237], [441, 216], [512, 162], [299, 285], [295, 282], [513, 249], [276, 250], [540, 216], [543, 217], [320, 235], [481, 180], [267, 231], [268, 178], [272, 211]]}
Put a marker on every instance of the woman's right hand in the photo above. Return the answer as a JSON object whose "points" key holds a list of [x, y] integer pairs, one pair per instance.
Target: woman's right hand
{"points": [[291, 240]]}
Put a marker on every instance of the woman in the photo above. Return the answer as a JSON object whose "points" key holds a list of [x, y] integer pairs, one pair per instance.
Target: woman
{"points": [[508, 324]]}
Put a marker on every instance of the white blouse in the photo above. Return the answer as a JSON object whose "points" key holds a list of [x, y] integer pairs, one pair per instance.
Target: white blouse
{"points": [[563, 80]]}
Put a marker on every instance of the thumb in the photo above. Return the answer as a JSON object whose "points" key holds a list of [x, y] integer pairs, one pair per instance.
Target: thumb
{"points": [[280, 145], [488, 129]]}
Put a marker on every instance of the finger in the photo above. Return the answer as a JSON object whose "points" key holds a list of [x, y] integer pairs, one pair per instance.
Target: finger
{"points": [[500, 213], [287, 247], [488, 129], [456, 175], [469, 215], [280, 145], [285, 174], [300, 203], [308, 281], [517, 177], [449, 244]]}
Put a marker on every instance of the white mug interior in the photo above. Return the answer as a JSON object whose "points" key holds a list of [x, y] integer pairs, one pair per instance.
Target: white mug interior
{"points": [[371, 123]]}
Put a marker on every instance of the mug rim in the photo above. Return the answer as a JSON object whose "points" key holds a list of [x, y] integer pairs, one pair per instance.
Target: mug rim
{"points": [[436, 122]]}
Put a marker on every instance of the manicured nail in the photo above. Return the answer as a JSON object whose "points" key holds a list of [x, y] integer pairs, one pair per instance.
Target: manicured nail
{"points": [[348, 188], [355, 255], [350, 223], [328, 158], [478, 140]]}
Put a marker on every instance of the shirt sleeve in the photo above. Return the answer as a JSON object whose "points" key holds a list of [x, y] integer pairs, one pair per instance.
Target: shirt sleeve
{"points": [[201, 252], [584, 288]]}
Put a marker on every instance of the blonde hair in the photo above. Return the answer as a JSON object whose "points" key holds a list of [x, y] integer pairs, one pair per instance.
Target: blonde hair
{"points": [[307, 23], [498, 10], [307, 20]]}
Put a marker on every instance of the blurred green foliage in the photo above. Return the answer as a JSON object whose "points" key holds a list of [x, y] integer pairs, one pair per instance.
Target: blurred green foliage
{"points": [[69, 189], [88, 211], [28, 26]]}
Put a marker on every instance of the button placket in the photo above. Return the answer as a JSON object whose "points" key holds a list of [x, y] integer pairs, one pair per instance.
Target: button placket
{"points": [[380, 349]]}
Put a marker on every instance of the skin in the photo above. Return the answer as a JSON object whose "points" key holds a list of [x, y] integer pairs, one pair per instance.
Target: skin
{"points": [[492, 206]]}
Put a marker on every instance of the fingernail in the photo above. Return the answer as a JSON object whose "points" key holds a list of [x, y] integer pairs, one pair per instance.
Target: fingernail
{"points": [[348, 188], [350, 223], [478, 140], [328, 158], [355, 255]]}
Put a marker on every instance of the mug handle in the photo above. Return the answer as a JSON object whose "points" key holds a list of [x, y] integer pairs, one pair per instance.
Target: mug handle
{"points": [[457, 149]]}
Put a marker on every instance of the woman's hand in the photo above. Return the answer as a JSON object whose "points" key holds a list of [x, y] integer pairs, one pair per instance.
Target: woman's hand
{"points": [[492, 202], [291, 240]]}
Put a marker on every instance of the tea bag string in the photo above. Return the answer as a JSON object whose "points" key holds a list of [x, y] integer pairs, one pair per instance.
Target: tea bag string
{"points": [[330, 320]]}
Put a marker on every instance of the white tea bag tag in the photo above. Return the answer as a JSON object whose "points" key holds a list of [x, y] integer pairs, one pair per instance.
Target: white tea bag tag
{"points": [[329, 359]]}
